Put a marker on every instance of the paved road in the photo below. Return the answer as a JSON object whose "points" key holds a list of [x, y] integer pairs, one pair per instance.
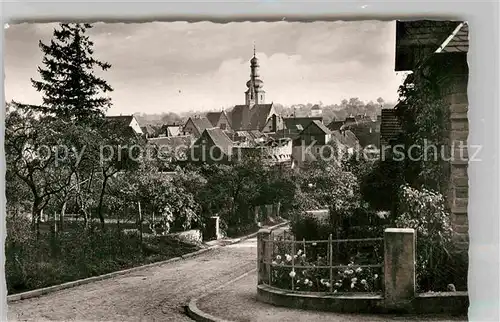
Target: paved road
{"points": [[154, 294]]}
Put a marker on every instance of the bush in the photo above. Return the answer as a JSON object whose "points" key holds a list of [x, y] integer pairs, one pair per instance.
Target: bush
{"points": [[380, 186], [424, 211], [76, 254]]}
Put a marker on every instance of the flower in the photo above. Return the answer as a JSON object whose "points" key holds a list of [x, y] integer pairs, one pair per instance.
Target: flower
{"points": [[303, 255], [278, 257], [288, 258], [335, 291], [327, 284], [292, 274], [274, 262], [354, 280], [363, 281], [310, 283], [294, 256], [338, 284], [314, 244], [322, 281], [306, 281], [375, 276], [358, 270], [299, 252], [352, 285]]}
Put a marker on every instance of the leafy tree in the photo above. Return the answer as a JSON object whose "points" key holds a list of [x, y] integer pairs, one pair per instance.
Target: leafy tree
{"points": [[36, 154], [70, 88], [118, 150]]}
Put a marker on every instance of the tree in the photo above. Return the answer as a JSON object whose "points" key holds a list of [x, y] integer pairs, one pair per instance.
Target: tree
{"points": [[70, 88], [34, 155], [118, 150], [380, 101]]}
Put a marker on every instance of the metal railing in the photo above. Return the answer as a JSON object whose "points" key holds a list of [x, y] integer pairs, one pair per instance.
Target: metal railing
{"points": [[286, 258]]}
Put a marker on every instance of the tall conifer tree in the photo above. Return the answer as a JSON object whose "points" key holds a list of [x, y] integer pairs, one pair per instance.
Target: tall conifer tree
{"points": [[70, 88]]}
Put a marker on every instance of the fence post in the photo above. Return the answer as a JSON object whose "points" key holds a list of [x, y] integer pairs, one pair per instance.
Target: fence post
{"points": [[399, 267], [330, 260], [263, 255], [293, 262]]}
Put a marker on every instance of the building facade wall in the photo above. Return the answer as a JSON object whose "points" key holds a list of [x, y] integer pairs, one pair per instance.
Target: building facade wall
{"points": [[455, 95], [135, 126]]}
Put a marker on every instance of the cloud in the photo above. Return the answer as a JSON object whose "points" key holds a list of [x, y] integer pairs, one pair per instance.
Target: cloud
{"points": [[179, 66]]}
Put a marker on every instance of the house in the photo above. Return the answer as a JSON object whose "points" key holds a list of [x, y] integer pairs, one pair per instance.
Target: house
{"points": [[312, 143], [148, 131], [170, 130], [420, 46], [196, 125], [297, 124], [335, 125], [126, 120], [347, 139], [271, 151], [315, 133], [219, 119], [366, 130], [213, 146], [316, 111]]}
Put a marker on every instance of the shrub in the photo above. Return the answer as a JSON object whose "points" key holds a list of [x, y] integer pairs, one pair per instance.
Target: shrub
{"points": [[77, 253], [424, 211], [379, 187]]}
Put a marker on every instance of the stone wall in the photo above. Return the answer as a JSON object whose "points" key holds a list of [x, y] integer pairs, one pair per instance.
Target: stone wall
{"points": [[455, 84], [192, 236]]}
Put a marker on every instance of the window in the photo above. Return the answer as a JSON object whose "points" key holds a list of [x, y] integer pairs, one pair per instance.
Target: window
{"points": [[223, 126]]}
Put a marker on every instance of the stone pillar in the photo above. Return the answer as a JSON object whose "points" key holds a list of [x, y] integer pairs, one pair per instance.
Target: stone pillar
{"points": [[399, 268], [213, 228], [264, 250]]}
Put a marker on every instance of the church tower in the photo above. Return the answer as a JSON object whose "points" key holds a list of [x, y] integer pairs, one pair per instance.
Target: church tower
{"points": [[255, 94]]}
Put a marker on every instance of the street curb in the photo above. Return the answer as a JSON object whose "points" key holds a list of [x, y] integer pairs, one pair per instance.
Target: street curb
{"points": [[54, 288], [196, 314], [192, 309]]}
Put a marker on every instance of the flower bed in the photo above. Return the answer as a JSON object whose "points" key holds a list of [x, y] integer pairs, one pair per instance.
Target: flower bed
{"points": [[319, 266]]}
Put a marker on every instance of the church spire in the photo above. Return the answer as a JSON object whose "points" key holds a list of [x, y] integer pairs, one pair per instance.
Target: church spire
{"points": [[255, 94]]}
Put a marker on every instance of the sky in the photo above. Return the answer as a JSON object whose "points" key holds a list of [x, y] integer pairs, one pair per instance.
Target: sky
{"points": [[162, 67]]}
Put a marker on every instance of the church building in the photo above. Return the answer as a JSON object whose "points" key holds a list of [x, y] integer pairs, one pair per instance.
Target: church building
{"points": [[255, 114]]}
